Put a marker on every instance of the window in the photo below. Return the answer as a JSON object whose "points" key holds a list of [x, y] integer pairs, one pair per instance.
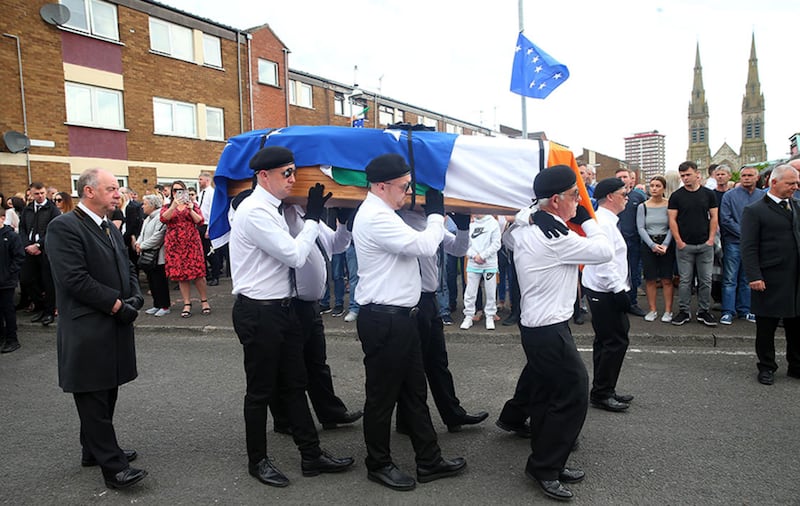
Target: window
{"points": [[212, 55], [267, 72], [215, 124], [338, 104], [94, 17], [385, 115], [121, 181], [452, 129], [173, 40], [300, 94], [94, 107], [430, 122], [174, 118]]}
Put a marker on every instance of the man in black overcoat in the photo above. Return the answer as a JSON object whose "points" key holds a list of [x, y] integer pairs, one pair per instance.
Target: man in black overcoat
{"points": [[98, 296], [770, 245]]}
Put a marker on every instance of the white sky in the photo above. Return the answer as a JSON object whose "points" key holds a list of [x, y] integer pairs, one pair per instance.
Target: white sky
{"points": [[631, 61]]}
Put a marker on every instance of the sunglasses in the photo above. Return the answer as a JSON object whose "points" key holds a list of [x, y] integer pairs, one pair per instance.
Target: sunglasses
{"points": [[404, 187], [289, 172], [58, 200]]}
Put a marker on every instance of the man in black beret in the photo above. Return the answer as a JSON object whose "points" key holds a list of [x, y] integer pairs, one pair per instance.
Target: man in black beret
{"points": [[606, 287]]}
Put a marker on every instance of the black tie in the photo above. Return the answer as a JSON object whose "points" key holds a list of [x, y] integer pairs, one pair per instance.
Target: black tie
{"points": [[104, 227], [280, 209], [202, 196], [785, 205]]}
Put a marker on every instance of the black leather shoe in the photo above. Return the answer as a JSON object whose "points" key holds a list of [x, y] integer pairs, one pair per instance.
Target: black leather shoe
{"points": [[523, 430], [766, 377], [441, 469], [392, 477], [325, 463], [10, 346], [212, 282], [568, 475], [268, 474], [468, 419], [37, 317], [511, 320], [554, 489], [279, 429], [578, 318], [610, 404], [623, 398], [47, 320], [126, 478], [91, 461], [347, 418], [635, 310]]}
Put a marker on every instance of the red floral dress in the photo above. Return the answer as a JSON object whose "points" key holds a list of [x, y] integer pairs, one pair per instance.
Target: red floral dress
{"points": [[182, 246]]}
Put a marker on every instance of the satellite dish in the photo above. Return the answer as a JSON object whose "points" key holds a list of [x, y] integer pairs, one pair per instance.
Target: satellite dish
{"points": [[16, 142], [54, 14]]}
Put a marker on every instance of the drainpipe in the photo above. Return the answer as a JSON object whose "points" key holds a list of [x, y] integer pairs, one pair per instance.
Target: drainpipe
{"points": [[22, 95], [239, 76], [250, 78], [286, 82]]}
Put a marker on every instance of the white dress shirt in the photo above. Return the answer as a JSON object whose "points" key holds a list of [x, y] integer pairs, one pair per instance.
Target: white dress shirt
{"points": [[612, 276], [205, 198], [262, 250], [453, 244], [313, 275], [387, 250], [547, 269]]}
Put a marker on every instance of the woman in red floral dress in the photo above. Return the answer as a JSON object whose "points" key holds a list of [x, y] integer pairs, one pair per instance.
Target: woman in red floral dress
{"points": [[183, 250]]}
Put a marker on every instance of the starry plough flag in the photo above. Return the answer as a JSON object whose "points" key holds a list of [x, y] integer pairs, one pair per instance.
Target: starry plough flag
{"points": [[535, 73]]}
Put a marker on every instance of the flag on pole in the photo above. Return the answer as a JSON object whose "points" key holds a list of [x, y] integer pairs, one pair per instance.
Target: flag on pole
{"points": [[535, 73]]}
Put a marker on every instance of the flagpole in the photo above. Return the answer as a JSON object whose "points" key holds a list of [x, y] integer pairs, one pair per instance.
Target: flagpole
{"points": [[522, 98]]}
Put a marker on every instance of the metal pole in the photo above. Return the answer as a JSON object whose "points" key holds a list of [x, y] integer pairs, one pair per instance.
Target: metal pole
{"points": [[22, 96], [522, 98]]}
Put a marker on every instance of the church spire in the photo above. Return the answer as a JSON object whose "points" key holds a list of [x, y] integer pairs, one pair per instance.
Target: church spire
{"points": [[754, 149], [698, 151]]}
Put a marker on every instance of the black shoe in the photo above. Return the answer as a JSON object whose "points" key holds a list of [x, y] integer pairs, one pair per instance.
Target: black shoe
{"points": [[10, 346], [212, 282], [91, 461], [523, 431], [568, 475], [281, 429], [126, 478], [392, 477], [268, 474], [337, 311], [324, 309], [610, 404], [578, 318], [325, 463], [635, 310], [468, 419], [511, 320], [706, 318], [38, 317], [681, 318], [793, 374], [552, 488], [766, 377], [623, 398], [348, 417], [441, 469], [47, 320]]}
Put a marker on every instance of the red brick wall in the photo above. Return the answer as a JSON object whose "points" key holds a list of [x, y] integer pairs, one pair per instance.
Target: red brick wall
{"points": [[269, 102]]}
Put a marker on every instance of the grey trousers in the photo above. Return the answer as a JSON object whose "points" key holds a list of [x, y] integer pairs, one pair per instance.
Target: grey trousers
{"points": [[701, 257]]}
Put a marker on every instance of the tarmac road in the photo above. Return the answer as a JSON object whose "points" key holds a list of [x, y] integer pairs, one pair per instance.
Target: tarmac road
{"points": [[701, 429]]}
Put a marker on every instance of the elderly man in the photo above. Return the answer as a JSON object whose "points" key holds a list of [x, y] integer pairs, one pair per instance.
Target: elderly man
{"points": [[97, 286]]}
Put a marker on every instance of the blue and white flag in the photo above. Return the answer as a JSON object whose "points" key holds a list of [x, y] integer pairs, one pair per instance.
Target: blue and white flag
{"points": [[535, 73]]}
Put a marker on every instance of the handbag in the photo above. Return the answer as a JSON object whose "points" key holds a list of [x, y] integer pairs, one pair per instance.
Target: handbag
{"points": [[148, 259]]}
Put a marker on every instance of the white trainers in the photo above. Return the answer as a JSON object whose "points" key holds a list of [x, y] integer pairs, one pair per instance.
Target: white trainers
{"points": [[162, 312], [489, 323], [351, 316], [666, 317], [467, 323], [651, 316], [152, 310]]}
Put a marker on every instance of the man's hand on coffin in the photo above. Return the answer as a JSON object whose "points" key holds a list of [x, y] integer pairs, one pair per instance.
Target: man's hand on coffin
{"points": [[316, 202], [434, 202], [461, 221], [581, 215], [548, 224]]}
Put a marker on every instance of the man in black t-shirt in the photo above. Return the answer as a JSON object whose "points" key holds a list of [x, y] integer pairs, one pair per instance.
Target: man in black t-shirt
{"points": [[692, 214]]}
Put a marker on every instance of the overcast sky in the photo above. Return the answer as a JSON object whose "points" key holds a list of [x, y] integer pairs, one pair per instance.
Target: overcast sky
{"points": [[631, 61]]}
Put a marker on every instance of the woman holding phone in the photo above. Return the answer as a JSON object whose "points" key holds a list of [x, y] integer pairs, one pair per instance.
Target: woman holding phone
{"points": [[185, 262]]}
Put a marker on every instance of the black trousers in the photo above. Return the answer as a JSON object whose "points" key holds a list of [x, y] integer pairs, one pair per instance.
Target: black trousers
{"points": [[394, 375], [435, 362], [611, 328], [8, 315], [328, 407], [516, 410], [273, 364], [516, 308], [214, 261], [159, 286], [765, 343], [559, 398], [98, 438], [38, 281]]}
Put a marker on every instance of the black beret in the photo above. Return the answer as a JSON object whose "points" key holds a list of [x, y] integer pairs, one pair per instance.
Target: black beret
{"points": [[553, 180], [271, 157], [607, 186], [386, 167]]}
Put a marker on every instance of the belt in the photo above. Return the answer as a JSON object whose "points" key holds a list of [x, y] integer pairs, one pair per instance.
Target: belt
{"points": [[385, 308], [284, 302]]}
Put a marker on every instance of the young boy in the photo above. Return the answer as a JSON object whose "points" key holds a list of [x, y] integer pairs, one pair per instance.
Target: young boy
{"points": [[12, 256], [484, 242]]}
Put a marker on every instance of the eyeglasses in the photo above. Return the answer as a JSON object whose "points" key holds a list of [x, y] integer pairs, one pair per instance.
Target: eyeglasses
{"points": [[58, 200], [289, 172], [575, 194], [405, 186], [624, 193]]}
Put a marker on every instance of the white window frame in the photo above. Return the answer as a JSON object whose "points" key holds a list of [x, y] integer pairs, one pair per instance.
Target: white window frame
{"points": [[264, 65], [385, 115], [174, 107], [308, 91], [94, 107], [210, 111], [92, 19], [173, 31], [121, 181], [339, 105], [212, 51]]}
